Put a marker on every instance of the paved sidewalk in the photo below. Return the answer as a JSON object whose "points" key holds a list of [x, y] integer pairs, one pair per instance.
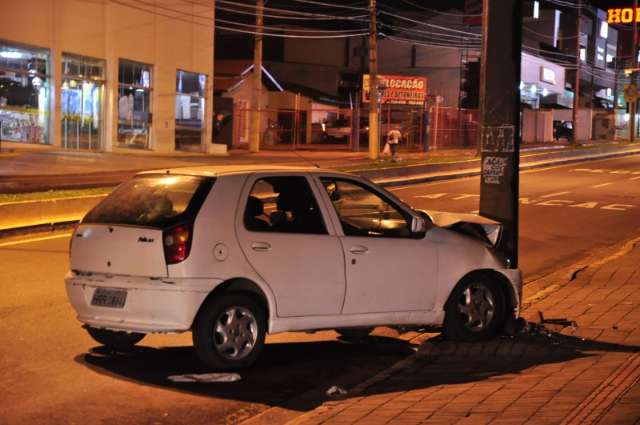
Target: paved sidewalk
{"points": [[552, 374]]}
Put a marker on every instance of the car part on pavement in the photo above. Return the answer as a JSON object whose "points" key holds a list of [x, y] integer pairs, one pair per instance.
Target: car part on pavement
{"points": [[116, 340], [229, 331], [354, 334]]}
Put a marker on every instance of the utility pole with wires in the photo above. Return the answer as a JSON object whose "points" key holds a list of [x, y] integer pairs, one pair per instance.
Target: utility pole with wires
{"points": [[576, 84], [374, 131], [256, 93], [633, 103]]}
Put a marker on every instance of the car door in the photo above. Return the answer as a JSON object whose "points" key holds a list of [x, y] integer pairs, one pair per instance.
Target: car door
{"points": [[290, 243], [388, 269]]}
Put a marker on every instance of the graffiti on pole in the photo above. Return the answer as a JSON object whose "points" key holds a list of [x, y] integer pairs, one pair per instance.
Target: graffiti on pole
{"points": [[497, 145]]}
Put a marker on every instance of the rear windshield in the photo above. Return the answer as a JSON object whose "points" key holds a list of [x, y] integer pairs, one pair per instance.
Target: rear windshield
{"points": [[152, 200]]}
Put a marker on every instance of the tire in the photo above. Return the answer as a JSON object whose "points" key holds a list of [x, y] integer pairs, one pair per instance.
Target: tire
{"points": [[476, 309], [222, 343], [354, 334], [116, 340]]}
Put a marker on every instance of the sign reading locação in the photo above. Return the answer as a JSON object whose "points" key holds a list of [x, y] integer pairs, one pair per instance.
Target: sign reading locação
{"points": [[398, 89]]}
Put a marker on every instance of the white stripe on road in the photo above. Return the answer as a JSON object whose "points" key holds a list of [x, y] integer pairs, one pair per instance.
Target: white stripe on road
{"points": [[551, 195], [44, 238], [601, 185], [635, 178]]}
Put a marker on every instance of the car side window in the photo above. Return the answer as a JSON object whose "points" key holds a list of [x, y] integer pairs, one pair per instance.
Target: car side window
{"points": [[363, 212], [283, 205]]}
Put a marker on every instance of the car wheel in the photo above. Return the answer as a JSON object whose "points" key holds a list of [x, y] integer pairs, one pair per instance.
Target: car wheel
{"points": [[354, 334], [229, 332], [116, 340], [475, 310]]}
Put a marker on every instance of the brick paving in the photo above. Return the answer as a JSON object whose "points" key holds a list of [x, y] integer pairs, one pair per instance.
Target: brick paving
{"points": [[556, 374]]}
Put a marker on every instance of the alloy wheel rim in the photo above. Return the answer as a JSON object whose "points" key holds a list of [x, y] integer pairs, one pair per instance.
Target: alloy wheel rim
{"points": [[477, 307], [235, 333]]}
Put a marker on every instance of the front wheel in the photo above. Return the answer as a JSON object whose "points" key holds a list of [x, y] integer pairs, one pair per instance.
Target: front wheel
{"points": [[115, 340], [229, 332], [475, 310]]}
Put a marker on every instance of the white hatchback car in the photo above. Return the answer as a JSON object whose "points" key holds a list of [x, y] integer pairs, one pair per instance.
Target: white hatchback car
{"points": [[232, 253]]}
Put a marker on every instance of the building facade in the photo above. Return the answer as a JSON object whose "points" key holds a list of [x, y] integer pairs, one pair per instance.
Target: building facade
{"points": [[102, 76]]}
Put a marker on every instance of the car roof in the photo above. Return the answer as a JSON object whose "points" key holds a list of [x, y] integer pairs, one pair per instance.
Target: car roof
{"points": [[221, 170]]}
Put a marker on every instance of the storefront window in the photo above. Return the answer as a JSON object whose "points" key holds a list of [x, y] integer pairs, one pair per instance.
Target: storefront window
{"points": [[24, 94], [134, 104], [190, 103], [81, 97]]}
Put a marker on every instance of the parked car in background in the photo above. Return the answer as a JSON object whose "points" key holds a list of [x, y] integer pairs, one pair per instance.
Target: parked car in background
{"points": [[233, 253]]}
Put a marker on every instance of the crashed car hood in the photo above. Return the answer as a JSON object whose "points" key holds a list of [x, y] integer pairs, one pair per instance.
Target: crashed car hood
{"points": [[447, 219], [473, 225]]}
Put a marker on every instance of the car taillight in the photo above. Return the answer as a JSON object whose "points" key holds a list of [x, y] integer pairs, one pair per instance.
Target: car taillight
{"points": [[177, 243]]}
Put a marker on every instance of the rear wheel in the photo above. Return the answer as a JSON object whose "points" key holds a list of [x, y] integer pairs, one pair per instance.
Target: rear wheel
{"points": [[116, 340], [229, 332], [476, 309], [354, 333]]}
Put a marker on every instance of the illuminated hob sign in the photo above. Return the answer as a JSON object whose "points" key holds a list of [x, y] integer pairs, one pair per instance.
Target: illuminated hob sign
{"points": [[623, 15]]}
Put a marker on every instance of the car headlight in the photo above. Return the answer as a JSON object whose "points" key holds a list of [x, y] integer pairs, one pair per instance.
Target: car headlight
{"points": [[493, 233]]}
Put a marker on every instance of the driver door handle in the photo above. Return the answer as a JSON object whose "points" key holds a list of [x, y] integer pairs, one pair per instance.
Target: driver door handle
{"points": [[358, 249], [261, 246]]}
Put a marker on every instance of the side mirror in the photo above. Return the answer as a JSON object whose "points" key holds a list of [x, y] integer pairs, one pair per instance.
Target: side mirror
{"points": [[418, 225]]}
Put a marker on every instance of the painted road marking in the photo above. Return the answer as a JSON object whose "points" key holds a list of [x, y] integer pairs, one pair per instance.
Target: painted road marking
{"points": [[635, 178], [602, 171], [466, 196], [44, 238], [601, 185], [617, 207], [542, 200], [432, 195], [551, 195]]}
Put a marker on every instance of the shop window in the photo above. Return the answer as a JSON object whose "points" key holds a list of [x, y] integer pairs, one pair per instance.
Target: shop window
{"points": [[134, 104], [190, 109], [24, 94], [81, 98]]}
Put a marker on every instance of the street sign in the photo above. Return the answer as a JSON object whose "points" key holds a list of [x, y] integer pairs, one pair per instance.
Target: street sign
{"points": [[397, 89], [631, 92]]}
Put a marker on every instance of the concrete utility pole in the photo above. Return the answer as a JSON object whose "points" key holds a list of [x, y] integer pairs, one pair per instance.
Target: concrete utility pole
{"points": [[374, 131], [500, 118], [576, 84], [633, 104], [256, 94]]}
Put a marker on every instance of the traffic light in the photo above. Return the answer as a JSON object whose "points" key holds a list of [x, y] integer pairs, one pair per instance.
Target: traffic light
{"points": [[470, 85]]}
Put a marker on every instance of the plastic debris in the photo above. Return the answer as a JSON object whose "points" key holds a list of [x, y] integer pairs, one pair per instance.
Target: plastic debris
{"points": [[335, 391], [206, 377]]}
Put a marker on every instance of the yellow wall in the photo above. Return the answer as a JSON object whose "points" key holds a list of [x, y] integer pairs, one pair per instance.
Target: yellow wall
{"points": [[180, 40]]}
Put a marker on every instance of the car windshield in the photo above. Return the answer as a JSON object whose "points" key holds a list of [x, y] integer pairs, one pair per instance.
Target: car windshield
{"points": [[151, 200]]}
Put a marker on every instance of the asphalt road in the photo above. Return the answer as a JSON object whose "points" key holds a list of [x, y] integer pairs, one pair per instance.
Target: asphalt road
{"points": [[52, 372]]}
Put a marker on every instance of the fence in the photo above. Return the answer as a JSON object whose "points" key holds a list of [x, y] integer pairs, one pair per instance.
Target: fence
{"points": [[453, 128], [338, 128]]}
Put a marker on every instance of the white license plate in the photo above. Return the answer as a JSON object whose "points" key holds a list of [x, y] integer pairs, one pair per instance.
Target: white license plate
{"points": [[113, 298]]}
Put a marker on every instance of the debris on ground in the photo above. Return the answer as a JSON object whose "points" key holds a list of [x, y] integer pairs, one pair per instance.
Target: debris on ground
{"points": [[560, 322], [336, 391], [206, 377]]}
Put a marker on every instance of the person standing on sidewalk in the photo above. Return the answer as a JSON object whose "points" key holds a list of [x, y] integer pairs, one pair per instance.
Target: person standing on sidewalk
{"points": [[393, 139]]}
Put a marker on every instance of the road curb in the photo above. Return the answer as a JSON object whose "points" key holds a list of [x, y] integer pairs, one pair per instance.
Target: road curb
{"points": [[21, 215]]}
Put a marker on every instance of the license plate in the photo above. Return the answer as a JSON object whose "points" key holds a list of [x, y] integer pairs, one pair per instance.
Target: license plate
{"points": [[113, 298]]}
